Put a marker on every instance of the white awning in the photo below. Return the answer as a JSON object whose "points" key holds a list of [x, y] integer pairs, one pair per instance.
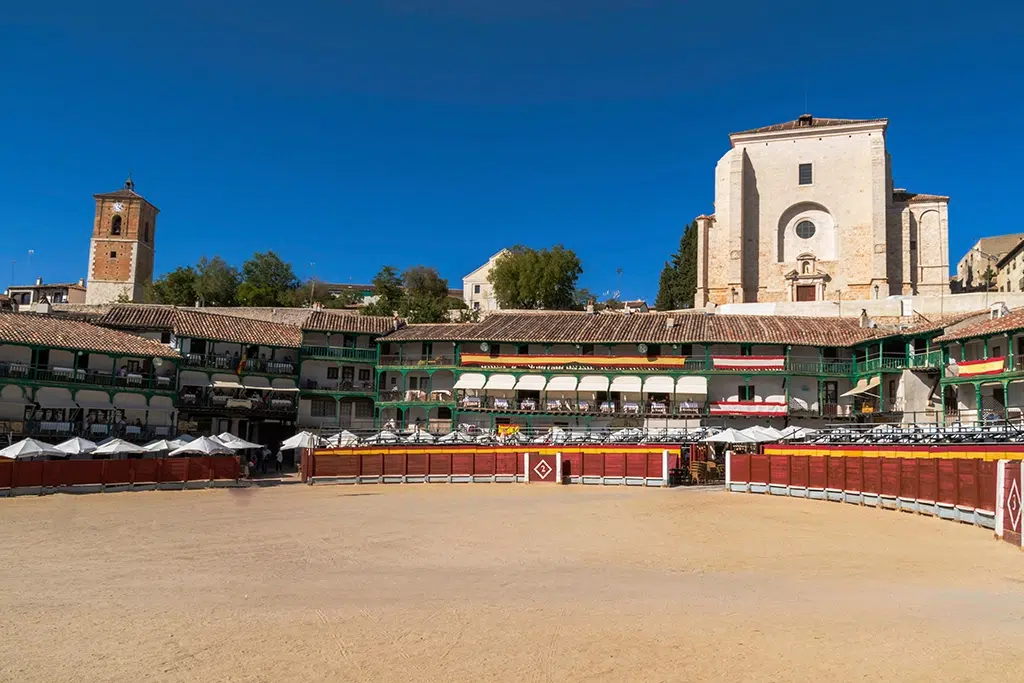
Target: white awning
{"points": [[506, 382], [563, 383], [54, 400], [531, 383], [191, 378], [471, 380], [132, 401], [226, 382], [863, 386], [659, 384], [692, 386], [256, 383], [283, 384], [593, 383], [93, 401], [629, 384]]}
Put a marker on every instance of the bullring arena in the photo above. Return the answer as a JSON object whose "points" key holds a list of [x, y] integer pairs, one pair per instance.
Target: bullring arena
{"points": [[491, 582]]}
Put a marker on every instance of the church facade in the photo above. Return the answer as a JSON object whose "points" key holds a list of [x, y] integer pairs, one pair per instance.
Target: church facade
{"points": [[807, 211]]}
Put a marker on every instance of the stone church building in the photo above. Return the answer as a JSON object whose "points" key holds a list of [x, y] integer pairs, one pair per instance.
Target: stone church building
{"points": [[806, 211]]}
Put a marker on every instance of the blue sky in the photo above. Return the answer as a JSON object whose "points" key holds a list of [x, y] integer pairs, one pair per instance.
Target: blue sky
{"points": [[355, 134]]}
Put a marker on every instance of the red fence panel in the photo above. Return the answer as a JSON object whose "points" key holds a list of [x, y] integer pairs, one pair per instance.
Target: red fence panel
{"points": [[6, 473], [799, 471], [572, 463], [760, 469], [836, 472], [891, 477], [484, 464], [778, 469], [817, 471], [173, 469], [417, 463], [394, 464], [506, 463], [77, 472], [145, 470], [909, 478], [1012, 521], [967, 482], [52, 474], [947, 481], [928, 479], [200, 469], [462, 463], [439, 463], [739, 467], [229, 466], [371, 465], [654, 465], [117, 472], [636, 465], [854, 474], [614, 464], [987, 470], [872, 475], [27, 473]]}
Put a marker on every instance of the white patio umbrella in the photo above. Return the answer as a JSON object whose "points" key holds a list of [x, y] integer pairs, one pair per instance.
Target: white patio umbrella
{"points": [[342, 439], [420, 437], [118, 446], [456, 437], [30, 448], [301, 440], [161, 445], [729, 435], [794, 432], [76, 446], [759, 433], [237, 444], [382, 437], [203, 446], [185, 438]]}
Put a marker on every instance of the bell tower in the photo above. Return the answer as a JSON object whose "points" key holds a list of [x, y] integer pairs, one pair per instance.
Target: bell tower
{"points": [[122, 246]]}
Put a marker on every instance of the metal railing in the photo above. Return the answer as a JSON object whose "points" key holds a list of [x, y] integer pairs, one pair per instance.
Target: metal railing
{"points": [[351, 353], [214, 361], [269, 406], [418, 360], [101, 378], [339, 386]]}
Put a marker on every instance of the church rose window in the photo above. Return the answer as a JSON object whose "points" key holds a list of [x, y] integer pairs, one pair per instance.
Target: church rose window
{"points": [[805, 230]]}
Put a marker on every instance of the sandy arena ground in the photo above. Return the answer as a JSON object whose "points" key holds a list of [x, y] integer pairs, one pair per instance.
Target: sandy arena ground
{"points": [[498, 583]]}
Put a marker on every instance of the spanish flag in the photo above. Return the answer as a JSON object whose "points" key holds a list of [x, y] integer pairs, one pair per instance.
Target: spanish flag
{"points": [[988, 366], [241, 363]]}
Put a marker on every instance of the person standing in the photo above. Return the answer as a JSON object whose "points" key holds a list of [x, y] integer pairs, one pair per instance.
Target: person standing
{"points": [[280, 461]]}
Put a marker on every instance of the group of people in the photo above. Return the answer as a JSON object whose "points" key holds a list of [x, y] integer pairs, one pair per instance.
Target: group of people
{"points": [[262, 460]]}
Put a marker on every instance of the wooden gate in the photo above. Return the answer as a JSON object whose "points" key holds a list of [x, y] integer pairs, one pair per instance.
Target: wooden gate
{"points": [[542, 468], [1012, 503]]}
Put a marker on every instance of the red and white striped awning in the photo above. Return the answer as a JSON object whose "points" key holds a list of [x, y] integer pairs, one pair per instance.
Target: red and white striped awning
{"points": [[749, 362]]}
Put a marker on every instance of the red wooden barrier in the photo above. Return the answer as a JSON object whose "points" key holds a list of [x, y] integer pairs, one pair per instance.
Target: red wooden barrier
{"points": [[1012, 521], [908, 478], [439, 463], [987, 475], [76, 472], [760, 469], [371, 465], [593, 465], [891, 477], [614, 464], [483, 464], [52, 472], [417, 463], [947, 481], [6, 472], [572, 463], [739, 467], [229, 466], [873, 475], [117, 472], [967, 483], [636, 465], [27, 473], [799, 471], [199, 469], [174, 469], [818, 471], [835, 472], [506, 464], [463, 463], [778, 469], [145, 471]]}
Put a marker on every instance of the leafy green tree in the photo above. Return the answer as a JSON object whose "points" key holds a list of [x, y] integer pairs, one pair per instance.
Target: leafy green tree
{"points": [[177, 287], [216, 282], [426, 296], [678, 283], [390, 296], [529, 278], [266, 280], [314, 291]]}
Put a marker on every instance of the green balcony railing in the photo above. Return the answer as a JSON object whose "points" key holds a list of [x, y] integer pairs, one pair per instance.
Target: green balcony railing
{"points": [[341, 353]]}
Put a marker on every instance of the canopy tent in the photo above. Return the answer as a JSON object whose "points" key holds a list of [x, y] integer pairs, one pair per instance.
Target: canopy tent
{"points": [[342, 439], [629, 384], [117, 446], [283, 384], [759, 433], [593, 383], [300, 440], [862, 387], [76, 446], [185, 438], [794, 432], [382, 437], [562, 383], [456, 437], [501, 382], [531, 383], [659, 384], [160, 445], [470, 380], [692, 386], [420, 437], [235, 443], [30, 448], [729, 435], [203, 446]]}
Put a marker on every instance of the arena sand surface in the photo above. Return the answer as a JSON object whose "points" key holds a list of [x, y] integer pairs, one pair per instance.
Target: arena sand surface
{"points": [[498, 583]]}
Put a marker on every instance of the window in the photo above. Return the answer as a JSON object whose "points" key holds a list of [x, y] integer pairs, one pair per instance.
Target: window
{"points": [[686, 349], [994, 352], [364, 410], [805, 174], [364, 375], [913, 245], [113, 254], [476, 289], [805, 230], [476, 305], [115, 225], [145, 231], [746, 350], [347, 373], [746, 393], [165, 337], [322, 407], [414, 383], [332, 373]]}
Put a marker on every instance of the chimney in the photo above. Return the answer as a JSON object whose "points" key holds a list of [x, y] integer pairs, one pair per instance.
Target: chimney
{"points": [[865, 321], [39, 282], [805, 120], [397, 322], [81, 282], [670, 322], [42, 306]]}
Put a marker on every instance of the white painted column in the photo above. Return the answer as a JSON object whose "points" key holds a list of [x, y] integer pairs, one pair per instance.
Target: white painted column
{"points": [[1000, 487], [728, 467], [526, 467], [664, 467], [558, 468]]}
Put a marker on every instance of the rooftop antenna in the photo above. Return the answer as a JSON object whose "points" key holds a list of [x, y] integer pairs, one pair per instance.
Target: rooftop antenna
{"points": [[312, 281], [31, 253], [618, 294]]}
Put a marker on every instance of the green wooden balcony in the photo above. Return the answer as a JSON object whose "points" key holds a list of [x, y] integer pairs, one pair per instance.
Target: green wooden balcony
{"points": [[349, 353]]}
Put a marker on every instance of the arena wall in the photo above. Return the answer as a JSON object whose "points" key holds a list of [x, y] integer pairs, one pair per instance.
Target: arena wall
{"points": [[50, 476]]}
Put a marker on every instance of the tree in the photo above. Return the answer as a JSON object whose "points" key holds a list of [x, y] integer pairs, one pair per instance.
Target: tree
{"points": [[266, 280], [426, 296], [216, 282], [527, 278], [390, 297], [177, 287], [989, 278], [314, 291], [678, 284]]}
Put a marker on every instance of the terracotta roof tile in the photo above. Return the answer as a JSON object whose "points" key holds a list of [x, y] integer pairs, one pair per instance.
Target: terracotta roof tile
{"points": [[193, 323], [1014, 320], [45, 330], [139, 317], [333, 321], [807, 122], [905, 196]]}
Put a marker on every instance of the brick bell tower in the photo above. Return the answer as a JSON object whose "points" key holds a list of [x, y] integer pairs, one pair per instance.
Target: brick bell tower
{"points": [[122, 246]]}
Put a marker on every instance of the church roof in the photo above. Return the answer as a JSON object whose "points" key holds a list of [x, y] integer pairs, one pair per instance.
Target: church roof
{"points": [[904, 196], [807, 121], [120, 194]]}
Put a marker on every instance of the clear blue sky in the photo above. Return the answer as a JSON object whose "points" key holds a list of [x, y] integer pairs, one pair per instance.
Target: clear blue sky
{"points": [[353, 134]]}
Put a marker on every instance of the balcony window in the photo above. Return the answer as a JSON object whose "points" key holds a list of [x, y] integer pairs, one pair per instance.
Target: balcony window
{"points": [[746, 393], [364, 375], [321, 407], [332, 372]]}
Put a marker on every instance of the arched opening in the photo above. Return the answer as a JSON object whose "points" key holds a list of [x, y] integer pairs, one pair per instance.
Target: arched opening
{"points": [[806, 227], [806, 268], [115, 225]]}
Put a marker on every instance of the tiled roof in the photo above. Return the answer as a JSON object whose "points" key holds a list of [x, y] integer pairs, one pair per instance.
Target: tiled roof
{"points": [[123, 193], [333, 321], [905, 196], [1014, 320], [807, 122], [693, 327], [139, 317], [192, 323], [46, 330]]}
